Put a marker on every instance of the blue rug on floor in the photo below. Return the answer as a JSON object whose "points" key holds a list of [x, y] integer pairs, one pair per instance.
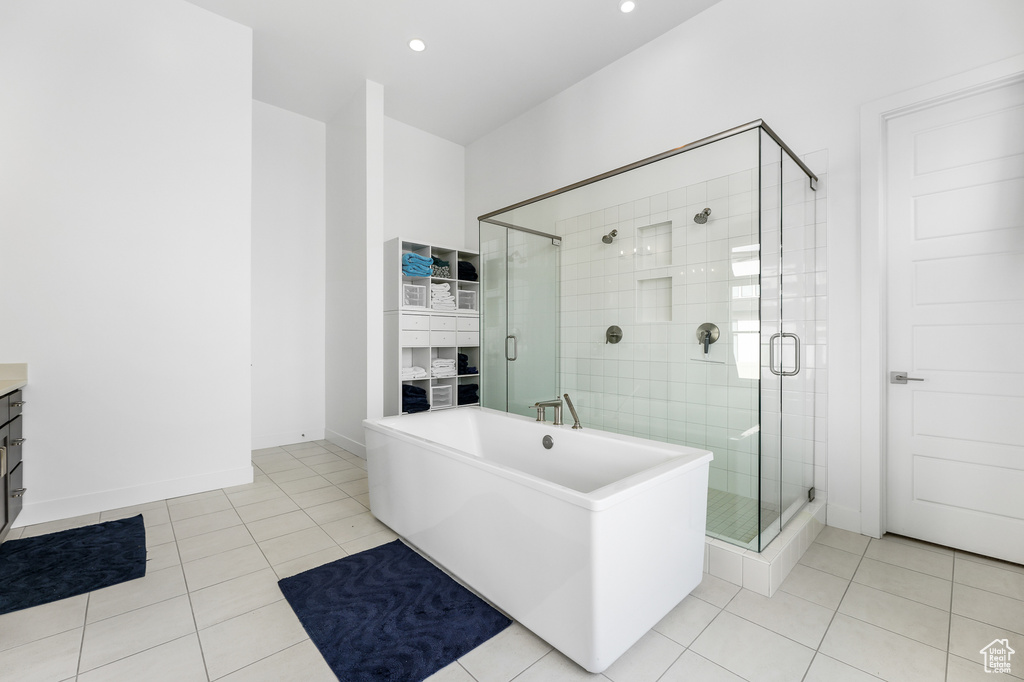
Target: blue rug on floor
{"points": [[389, 615], [46, 568]]}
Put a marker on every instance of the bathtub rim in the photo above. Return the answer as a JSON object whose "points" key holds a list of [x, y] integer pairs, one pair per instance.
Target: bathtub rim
{"points": [[605, 497]]}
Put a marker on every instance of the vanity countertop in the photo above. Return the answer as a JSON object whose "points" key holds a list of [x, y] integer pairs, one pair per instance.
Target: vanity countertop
{"points": [[13, 376]]}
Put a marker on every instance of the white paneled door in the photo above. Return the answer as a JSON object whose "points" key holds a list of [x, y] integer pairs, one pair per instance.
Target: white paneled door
{"points": [[954, 209]]}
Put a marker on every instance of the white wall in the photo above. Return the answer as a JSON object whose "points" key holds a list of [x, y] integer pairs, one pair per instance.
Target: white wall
{"points": [[805, 67], [125, 188], [355, 301], [288, 276], [424, 186]]}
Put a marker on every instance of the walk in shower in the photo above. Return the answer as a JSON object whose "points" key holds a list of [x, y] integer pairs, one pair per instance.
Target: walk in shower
{"points": [[672, 299]]}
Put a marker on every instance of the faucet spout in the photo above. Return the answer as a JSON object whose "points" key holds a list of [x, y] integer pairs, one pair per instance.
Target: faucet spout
{"points": [[706, 340], [555, 403]]}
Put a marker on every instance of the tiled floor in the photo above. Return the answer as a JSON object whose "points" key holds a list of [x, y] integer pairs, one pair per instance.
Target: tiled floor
{"points": [[209, 607], [734, 517]]}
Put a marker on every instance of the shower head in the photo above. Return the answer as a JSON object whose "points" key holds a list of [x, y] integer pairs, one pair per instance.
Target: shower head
{"points": [[607, 239], [702, 217]]}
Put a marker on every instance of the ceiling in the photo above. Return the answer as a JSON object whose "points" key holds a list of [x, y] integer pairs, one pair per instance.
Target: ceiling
{"points": [[486, 62]]}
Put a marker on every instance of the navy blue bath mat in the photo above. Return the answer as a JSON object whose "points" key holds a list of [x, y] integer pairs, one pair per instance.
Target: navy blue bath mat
{"points": [[46, 568], [389, 615]]}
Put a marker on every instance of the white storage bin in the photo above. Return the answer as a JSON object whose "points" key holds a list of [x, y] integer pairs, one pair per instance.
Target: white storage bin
{"points": [[442, 338], [414, 296], [465, 299], [440, 396], [412, 338], [442, 322], [468, 338], [469, 324], [420, 322]]}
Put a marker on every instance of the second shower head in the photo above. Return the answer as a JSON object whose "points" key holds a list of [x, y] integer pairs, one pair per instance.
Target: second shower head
{"points": [[607, 239], [702, 217]]}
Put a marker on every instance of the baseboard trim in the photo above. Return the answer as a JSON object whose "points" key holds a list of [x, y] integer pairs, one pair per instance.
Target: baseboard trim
{"points": [[274, 440], [844, 518], [346, 443], [68, 507]]}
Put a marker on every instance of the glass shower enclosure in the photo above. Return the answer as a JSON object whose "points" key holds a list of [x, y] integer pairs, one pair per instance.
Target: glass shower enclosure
{"points": [[703, 259]]}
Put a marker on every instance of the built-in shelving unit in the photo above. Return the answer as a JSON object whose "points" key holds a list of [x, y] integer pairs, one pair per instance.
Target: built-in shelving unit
{"points": [[416, 333]]}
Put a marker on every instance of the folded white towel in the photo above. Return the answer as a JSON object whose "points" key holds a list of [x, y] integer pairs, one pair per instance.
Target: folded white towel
{"points": [[414, 373], [441, 363], [444, 374], [440, 287]]}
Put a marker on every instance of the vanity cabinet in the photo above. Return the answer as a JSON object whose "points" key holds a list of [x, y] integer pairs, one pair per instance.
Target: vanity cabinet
{"points": [[12, 469]]}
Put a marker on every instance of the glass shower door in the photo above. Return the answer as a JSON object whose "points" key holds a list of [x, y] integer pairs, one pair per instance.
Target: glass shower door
{"points": [[520, 335]]}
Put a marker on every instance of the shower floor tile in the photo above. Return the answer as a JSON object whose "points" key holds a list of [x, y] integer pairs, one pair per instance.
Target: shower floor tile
{"points": [[734, 517]]}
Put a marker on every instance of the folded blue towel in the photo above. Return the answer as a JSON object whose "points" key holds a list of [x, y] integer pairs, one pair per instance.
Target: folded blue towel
{"points": [[417, 270], [416, 259]]}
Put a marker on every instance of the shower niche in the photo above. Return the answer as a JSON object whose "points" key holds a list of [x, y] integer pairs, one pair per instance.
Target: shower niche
{"points": [[721, 231]]}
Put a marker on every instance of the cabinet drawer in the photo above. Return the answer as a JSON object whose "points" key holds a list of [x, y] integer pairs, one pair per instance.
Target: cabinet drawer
{"points": [[442, 338], [443, 323], [469, 324], [469, 338], [414, 338], [17, 490], [415, 322], [14, 402], [13, 443], [4, 402]]}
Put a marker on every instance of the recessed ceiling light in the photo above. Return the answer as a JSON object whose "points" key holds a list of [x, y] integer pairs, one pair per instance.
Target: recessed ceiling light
{"points": [[417, 45], [627, 6]]}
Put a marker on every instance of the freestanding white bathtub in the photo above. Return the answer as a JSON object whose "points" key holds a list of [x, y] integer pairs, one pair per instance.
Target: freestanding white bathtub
{"points": [[588, 544]]}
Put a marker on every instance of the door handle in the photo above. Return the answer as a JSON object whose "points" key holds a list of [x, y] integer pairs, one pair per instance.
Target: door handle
{"points": [[901, 378], [771, 355], [515, 348]]}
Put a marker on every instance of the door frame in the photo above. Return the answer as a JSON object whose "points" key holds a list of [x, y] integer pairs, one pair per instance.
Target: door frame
{"points": [[874, 121]]}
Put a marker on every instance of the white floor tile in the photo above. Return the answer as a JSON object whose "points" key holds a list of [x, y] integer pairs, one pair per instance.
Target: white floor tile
{"points": [[553, 667], [715, 590], [831, 560], [825, 669], [208, 544], [109, 640], [645, 661], [891, 612], [505, 655], [855, 543], [968, 637], [335, 511], [914, 558], [233, 644], [155, 586], [453, 672], [751, 651], [301, 661], [276, 526], [990, 578], [903, 582], [784, 613], [687, 620], [691, 667], [353, 527], [224, 566], [38, 622], [180, 660], [264, 510], [209, 505], [235, 597], [309, 561], [207, 523], [988, 607], [881, 653], [50, 659], [824, 589], [295, 545]]}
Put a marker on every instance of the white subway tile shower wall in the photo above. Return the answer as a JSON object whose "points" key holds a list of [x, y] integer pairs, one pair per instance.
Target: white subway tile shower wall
{"points": [[661, 277]]}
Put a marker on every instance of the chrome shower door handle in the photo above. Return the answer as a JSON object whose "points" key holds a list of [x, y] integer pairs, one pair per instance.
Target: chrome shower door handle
{"points": [[515, 348], [796, 356], [771, 355]]}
